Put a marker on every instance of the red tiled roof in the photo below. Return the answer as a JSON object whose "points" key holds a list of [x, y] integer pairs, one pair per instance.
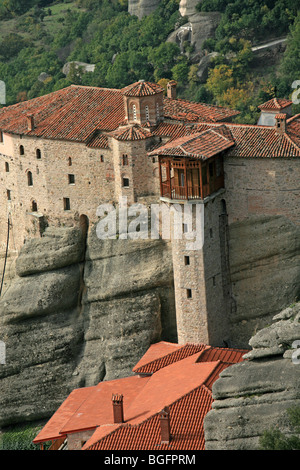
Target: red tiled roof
{"points": [[52, 430], [184, 386], [73, 113], [187, 432], [162, 354], [249, 140], [189, 111], [98, 141], [275, 104], [131, 133], [142, 88], [201, 145]]}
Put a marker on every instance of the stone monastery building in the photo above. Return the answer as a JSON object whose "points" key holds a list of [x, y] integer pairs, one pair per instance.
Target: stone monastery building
{"points": [[63, 154]]}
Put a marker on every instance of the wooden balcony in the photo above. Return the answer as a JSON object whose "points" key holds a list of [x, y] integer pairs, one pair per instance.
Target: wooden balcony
{"points": [[190, 180]]}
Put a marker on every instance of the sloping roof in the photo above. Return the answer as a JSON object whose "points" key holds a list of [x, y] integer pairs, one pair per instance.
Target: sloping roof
{"points": [[200, 145], [81, 113], [189, 111], [163, 354], [131, 133], [142, 88], [73, 113], [275, 104], [249, 140], [181, 379]]}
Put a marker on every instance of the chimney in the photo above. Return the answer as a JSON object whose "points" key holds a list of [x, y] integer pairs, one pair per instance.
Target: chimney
{"points": [[117, 401], [280, 123], [164, 418], [171, 89], [30, 122]]}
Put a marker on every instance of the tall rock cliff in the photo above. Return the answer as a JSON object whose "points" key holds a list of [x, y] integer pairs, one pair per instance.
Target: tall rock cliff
{"points": [[79, 311], [253, 396]]}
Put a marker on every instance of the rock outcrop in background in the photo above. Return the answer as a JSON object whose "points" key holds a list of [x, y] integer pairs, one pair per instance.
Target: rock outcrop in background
{"points": [[142, 8], [253, 396], [77, 312]]}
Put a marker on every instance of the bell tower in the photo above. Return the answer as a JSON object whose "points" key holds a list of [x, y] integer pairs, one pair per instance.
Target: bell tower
{"points": [[143, 103]]}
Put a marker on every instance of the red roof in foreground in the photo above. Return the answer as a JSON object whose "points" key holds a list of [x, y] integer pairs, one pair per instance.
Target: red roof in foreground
{"points": [[179, 377]]}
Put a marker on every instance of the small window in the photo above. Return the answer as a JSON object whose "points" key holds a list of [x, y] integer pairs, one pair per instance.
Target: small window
{"points": [[211, 233], [38, 154], [214, 281], [187, 260], [29, 178], [7, 167], [134, 112], [71, 179], [125, 160], [147, 113], [8, 194], [22, 150], [70, 161], [125, 182], [101, 158], [1, 136], [34, 206], [189, 293], [67, 205], [184, 228]]}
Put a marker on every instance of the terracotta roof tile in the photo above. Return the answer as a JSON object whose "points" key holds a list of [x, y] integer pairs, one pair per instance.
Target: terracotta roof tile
{"points": [[201, 145], [184, 386], [142, 88], [161, 355], [187, 432], [275, 104], [192, 112], [131, 133]]}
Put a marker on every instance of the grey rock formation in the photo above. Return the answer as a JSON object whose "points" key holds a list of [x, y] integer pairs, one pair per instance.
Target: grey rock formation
{"points": [[200, 27], [264, 271], [253, 396], [79, 313], [82, 65], [142, 8], [188, 7]]}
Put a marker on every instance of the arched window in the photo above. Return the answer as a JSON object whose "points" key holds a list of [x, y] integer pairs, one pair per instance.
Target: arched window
{"points": [[29, 178], [7, 167], [38, 154], [22, 150], [70, 161], [34, 206], [147, 113], [134, 112]]}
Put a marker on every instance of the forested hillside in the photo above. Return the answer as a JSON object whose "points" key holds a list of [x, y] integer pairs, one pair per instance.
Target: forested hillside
{"points": [[40, 36]]}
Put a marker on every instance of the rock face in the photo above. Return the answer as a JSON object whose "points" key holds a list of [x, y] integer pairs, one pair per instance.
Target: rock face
{"points": [[79, 311], [142, 8], [188, 7], [253, 396], [200, 27], [264, 271]]}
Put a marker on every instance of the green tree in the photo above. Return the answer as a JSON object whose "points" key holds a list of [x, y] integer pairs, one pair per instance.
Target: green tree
{"points": [[273, 439]]}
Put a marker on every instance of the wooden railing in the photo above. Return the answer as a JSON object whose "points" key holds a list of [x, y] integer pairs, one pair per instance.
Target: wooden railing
{"points": [[172, 191]]}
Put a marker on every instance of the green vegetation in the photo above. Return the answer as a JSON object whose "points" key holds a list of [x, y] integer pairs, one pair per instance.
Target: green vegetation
{"points": [[19, 437], [41, 36], [275, 440]]}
